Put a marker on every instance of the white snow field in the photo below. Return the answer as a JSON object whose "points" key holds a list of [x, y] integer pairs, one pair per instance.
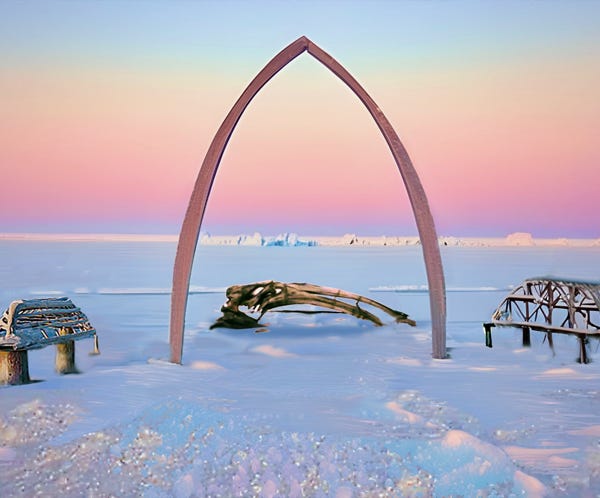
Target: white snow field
{"points": [[318, 405]]}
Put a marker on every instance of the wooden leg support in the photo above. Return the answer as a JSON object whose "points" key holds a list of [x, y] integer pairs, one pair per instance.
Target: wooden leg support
{"points": [[488, 334], [96, 350], [526, 337], [65, 358], [14, 368], [551, 342], [583, 357]]}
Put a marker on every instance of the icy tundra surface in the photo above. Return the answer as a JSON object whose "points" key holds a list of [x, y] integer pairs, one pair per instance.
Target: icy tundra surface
{"points": [[318, 405]]}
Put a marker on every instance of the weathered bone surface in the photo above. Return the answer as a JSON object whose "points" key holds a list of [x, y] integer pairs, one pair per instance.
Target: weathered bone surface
{"points": [[261, 297]]}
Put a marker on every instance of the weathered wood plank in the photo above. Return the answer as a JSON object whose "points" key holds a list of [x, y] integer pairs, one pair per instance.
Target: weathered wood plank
{"points": [[41, 312], [71, 322], [540, 327], [34, 339]]}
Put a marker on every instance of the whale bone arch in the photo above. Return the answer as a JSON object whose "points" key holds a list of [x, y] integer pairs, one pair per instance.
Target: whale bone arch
{"points": [[190, 229]]}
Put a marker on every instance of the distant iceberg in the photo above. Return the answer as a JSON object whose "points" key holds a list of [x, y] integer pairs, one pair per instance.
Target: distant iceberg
{"points": [[288, 240], [281, 240], [251, 240]]}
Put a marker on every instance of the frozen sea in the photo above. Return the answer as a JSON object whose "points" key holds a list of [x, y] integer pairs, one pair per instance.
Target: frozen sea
{"points": [[318, 405]]}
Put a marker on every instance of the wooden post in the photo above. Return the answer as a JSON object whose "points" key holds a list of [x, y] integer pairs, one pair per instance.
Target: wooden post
{"points": [[96, 350], [65, 358], [526, 337], [488, 334], [551, 342], [550, 298], [583, 357], [14, 368]]}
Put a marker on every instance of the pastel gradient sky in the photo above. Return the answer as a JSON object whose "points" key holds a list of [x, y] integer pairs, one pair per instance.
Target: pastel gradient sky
{"points": [[107, 109]]}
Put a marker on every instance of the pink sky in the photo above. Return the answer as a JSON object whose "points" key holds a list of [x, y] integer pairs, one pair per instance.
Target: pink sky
{"points": [[502, 143]]}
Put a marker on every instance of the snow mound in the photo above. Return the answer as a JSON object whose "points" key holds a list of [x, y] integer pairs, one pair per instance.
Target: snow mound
{"points": [[273, 351], [520, 239]]}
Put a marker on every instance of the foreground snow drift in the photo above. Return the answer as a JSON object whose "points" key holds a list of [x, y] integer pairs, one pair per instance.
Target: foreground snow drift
{"points": [[317, 406], [177, 448]]}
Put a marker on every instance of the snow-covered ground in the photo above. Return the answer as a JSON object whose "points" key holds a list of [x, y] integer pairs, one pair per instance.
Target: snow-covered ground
{"points": [[320, 405]]}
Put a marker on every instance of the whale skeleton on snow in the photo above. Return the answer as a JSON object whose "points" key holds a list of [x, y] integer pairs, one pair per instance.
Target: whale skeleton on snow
{"points": [[261, 297]]}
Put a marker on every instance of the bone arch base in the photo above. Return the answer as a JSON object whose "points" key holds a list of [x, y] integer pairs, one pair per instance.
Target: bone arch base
{"points": [[190, 230]]}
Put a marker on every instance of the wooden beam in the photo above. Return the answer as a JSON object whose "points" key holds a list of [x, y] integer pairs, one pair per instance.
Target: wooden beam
{"points": [[544, 327]]}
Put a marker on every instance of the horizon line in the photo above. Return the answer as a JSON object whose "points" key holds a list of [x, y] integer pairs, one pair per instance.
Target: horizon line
{"points": [[175, 237]]}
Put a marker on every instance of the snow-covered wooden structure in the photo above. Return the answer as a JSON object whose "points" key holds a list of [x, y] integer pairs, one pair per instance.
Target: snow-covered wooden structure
{"points": [[37, 323], [551, 305]]}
